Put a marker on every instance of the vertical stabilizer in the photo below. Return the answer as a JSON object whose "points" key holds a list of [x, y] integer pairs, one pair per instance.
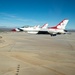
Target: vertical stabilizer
{"points": [[36, 26], [62, 24], [45, 26]]}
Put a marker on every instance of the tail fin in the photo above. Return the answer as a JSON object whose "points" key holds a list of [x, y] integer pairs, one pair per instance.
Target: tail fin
{"points": [[62, 24], [45, 26]]}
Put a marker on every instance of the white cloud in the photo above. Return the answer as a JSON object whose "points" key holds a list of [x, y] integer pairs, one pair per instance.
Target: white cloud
{"points": [[13, 19], [27, 20], [20, 19], [8, 15]]}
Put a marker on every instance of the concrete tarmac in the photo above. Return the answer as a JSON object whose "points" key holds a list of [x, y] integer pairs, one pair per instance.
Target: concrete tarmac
{"points": [[28, 54]]}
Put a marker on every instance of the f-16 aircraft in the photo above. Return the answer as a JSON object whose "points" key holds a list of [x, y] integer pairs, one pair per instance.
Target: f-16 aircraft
{"points": [[56, 30], [33, 30]]}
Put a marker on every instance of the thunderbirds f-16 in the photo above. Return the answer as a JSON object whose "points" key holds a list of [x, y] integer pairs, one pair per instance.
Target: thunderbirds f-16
{"points": [[56, 30], [33, 30], [53, 31]]}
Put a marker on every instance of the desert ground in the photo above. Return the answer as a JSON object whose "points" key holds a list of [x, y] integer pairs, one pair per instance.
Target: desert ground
{"points": [[28, 54]]}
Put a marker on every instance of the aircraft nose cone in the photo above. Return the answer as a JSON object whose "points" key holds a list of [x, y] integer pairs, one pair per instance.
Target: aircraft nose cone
{"points": [[13, 30]]}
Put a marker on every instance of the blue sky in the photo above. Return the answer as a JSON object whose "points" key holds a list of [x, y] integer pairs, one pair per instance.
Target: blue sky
{"points": [[18, 13]]}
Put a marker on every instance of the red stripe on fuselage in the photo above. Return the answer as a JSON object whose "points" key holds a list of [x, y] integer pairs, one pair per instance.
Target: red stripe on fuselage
{"points": [[53, 27]]}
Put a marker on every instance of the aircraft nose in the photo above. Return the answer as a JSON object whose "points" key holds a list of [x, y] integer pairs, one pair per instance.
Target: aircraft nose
{"points": [[13, 30]]}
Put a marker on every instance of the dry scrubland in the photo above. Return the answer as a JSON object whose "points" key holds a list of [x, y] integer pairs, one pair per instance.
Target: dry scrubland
{"points": [[26, 54]]}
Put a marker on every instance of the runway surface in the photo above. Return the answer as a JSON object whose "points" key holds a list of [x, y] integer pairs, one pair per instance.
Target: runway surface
{"points": [[26, 54]]}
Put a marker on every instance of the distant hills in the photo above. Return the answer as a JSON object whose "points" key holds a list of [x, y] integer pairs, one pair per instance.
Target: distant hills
{"points": [[71, 30], [5, 29]]}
